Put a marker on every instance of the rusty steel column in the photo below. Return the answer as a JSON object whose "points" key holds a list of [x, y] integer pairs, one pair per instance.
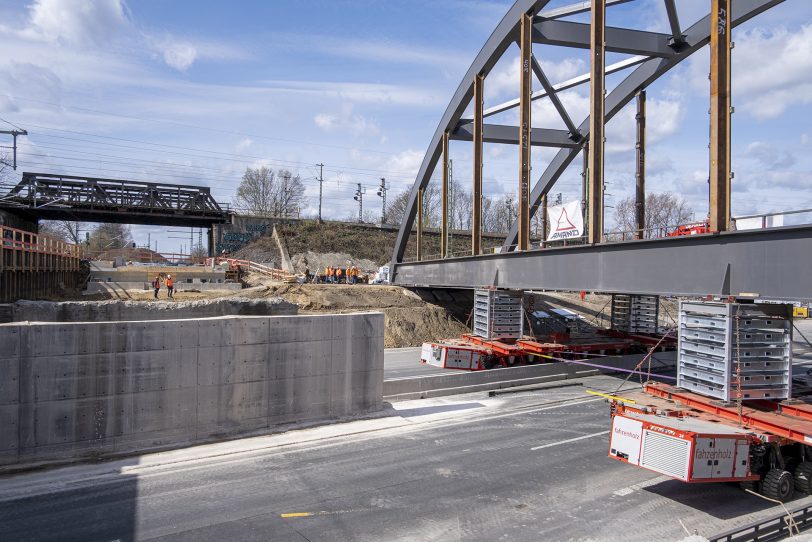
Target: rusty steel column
{"points": [[444, 201], [596, 118], [640, 177], [543, 220], [584, 186], [419, 248], [526, 89], [720, 166], [476, 193]]}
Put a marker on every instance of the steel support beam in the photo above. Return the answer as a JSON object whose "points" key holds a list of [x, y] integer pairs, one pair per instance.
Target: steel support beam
{"points": [[720, 166], [419, 247], [673, 21], [548, 88], [618, 40], [597, 119], [526, 89], [585, 186], [544, 231], [640, 175], [476, 192], [574, 9], [444, 201], [731, 263], [509, 135]]}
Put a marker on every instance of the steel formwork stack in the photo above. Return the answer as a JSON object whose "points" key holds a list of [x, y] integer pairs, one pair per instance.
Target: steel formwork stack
{"points": [[635, 313], [732, 351], [498, 314]]}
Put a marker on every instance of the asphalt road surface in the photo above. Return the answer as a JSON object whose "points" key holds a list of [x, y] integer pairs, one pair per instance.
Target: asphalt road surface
{"points": [[526, 466], [405, 363]]}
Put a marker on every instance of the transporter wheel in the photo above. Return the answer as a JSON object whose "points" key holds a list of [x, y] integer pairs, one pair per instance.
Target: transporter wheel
{"points": [[803, 478], [778, 484]]}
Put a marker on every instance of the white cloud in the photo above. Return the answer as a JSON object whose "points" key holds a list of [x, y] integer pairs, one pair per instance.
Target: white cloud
{"points": [[406, 163], [179, 54], [79, 22], [772, 70], [244, 145], [769, 156], [347, 121]]}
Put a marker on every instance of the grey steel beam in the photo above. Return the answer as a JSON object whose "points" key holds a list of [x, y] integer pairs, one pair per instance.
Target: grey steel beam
{"points": [[548, 88], [673, 21], [618, 40], [597, 119], [476, 191], [506, 32], [500, 133], [720, 166], [568, 84], [525, 129], [574, 9], [640, 173], [730, 263], [697, 36]]}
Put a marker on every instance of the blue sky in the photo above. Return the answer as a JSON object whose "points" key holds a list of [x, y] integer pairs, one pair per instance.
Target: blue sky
{"points": [[193, 92]]}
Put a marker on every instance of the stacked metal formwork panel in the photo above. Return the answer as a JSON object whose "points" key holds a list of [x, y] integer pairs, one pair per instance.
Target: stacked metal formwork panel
{"points": [[732, 350], [635, 313], [498, 314]]}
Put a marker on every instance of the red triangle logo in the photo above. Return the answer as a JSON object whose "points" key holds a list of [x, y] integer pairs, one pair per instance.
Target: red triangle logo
{"points": [[564, 223]]}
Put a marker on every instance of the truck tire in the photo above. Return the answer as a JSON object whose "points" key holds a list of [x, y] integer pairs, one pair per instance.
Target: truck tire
{"points": [[803, 478], [778, 484]]}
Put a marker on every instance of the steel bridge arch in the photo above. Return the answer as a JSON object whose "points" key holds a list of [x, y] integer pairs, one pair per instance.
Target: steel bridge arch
{"points": [[657, 54]]}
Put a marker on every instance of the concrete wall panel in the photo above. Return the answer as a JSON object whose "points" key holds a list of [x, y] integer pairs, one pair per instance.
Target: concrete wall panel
{"points": [[74, 390]]}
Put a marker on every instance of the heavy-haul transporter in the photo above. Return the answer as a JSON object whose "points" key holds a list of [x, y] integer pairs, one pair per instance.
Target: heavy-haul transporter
{"points": [[763, 444]]}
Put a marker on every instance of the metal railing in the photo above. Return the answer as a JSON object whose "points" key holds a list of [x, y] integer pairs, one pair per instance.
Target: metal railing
{"points": [[246, 265], [766, 530]]}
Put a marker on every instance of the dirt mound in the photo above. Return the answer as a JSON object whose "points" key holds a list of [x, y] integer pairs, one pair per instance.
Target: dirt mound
{"points": [[409, 321]]}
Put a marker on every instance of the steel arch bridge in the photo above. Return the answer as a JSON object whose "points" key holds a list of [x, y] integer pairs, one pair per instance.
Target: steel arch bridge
{"points": [[729, 263]]}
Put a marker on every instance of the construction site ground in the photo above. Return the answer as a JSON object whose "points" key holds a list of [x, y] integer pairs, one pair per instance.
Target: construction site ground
{"points": [[410, 321], [523, 466]]}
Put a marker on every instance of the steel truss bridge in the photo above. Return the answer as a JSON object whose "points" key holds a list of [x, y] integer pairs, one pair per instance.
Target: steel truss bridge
{"points": [[66, 197], [763, 263]]}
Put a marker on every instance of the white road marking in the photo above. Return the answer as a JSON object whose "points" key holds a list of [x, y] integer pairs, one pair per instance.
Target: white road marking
{"points": [[570, 440]]}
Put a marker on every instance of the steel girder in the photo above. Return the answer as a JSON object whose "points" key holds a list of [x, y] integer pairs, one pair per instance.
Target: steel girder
{"points": [[649, 69], [67, 197], [753, 262]]}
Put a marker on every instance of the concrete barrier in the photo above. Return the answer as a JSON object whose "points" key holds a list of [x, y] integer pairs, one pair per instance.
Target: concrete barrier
{"points": [[438, 385], [79, 390], [118, 310]]}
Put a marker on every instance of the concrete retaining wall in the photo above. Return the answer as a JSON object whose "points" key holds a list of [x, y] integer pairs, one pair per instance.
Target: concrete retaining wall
{"points": [[116, 310], [78, 390]]}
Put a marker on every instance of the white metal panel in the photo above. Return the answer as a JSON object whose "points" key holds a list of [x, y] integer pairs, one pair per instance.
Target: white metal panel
{"points": [[626, 437], [665, 454], [742, 465]]}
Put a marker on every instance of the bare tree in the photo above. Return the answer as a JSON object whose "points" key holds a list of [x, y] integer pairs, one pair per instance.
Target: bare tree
{"points": [[256, 191], [69, 232], [664, 211], [268, 192], [289, 193], [396, 208], [110, 236]]}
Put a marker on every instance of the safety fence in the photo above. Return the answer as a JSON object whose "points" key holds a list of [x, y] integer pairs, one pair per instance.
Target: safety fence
{"points": [[778, 527], [22, 250]]}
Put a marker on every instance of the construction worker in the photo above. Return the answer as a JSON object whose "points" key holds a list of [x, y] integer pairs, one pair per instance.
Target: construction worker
{"points": [[170, 287], [353, 273], [156, 284], [339, 273], [330, 275]]}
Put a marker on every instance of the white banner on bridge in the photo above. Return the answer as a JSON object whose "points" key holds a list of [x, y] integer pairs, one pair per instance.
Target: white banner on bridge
{"points": [[566, 221]]}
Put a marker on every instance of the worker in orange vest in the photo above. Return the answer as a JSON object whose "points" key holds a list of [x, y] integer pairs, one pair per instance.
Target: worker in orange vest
{"points": [[156, 284], [170, 287]]}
